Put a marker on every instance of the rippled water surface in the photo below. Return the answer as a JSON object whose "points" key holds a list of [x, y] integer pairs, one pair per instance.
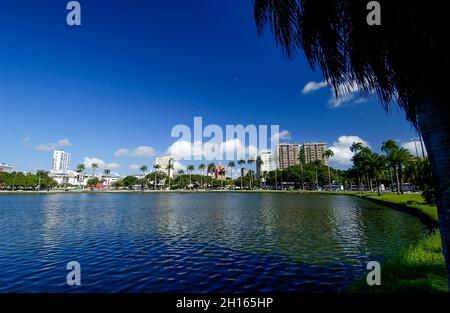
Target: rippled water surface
{"points": [[195, 242]]}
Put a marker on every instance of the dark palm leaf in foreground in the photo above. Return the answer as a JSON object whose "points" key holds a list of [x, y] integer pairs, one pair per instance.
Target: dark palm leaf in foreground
{"points": [[405, 60]]}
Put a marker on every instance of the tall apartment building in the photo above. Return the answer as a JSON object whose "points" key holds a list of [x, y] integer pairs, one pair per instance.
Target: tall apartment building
{"points": [[314, 151], [287, 155], [163, 162], [61, 162], [268, 163]]}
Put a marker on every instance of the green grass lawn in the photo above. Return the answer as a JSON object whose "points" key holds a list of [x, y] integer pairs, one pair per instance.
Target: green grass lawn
{"points": [[419, 268], [411, 200]]}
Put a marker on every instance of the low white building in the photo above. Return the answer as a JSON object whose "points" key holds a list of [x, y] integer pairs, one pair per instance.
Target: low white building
{"points": [[5, 168], [68, 178]]}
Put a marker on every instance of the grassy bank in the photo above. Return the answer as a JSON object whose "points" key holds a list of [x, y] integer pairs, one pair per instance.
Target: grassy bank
{"points": [[418, 268], [415, 201]]}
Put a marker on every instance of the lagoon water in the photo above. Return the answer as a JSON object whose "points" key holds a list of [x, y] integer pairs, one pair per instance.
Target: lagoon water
{"points": [[195, 242]]}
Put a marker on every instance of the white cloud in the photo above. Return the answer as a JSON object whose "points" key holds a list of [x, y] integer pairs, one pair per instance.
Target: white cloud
{"points": [[313, 86], [121, 152], [134, 167], [113, 166], [360, 100], [341, 149], [280, 136], [27, 141], [178, 166], [54, 145], [89, 161], [101, 164], [345, 93], [185, 150], [141, 151], [412, 148]]}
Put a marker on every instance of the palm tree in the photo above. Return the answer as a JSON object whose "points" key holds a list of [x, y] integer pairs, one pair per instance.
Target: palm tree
{"points": [[241, 163], [80, 169], [389, 147], [143, 169], [328, 154], [190, 169], [251, 162], [355, 147], [376, 164], [317, 164], [398, 60], [94, 166], [107, 171], [156, 167], [201, 168], [265, 175], [301, 161], [402, 157], [169, 169], [210, 170], [222, 172], [231, 165]]}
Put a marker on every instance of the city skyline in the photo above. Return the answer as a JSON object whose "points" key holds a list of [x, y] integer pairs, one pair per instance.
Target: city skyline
{"points": [[111, 94]]}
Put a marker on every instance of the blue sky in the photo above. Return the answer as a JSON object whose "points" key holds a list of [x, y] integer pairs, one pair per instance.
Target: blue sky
{"points": [[134, 69]]}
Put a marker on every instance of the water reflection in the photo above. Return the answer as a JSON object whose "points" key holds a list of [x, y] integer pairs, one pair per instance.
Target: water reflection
{"points": [[195, 241]]}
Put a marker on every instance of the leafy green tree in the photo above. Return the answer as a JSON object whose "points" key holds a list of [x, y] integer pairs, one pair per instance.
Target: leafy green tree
{"points": [[93, 183], [130, 182]]}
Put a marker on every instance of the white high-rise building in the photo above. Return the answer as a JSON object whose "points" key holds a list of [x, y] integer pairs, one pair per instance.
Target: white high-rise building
{"points": [[268, 163], [163, 162], [61, 162]]}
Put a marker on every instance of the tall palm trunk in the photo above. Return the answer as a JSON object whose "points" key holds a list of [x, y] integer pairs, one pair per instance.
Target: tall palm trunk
{"points": [[434, 123], [242, 174], [329, 178], [359, 183], [397, 179], [301, 172], [378, 186], [232, 181], [400, 175], [276, 179], [392, 179]]}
